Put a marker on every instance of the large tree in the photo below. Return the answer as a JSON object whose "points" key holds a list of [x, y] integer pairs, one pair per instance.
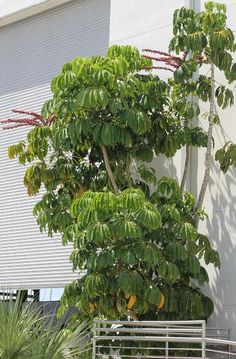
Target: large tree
{"points": [[91, 149]]}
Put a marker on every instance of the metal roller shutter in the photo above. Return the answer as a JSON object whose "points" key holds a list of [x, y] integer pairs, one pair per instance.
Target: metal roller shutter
{"points": [[32, 52]]}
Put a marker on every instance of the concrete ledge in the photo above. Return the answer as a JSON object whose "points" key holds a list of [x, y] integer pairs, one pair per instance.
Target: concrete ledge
{"points": [[30, 11]]}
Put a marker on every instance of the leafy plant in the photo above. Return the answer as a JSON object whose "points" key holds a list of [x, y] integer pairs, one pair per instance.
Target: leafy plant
{"points": [[203, 38], [140, 254], [25, 333], [91, 149]]}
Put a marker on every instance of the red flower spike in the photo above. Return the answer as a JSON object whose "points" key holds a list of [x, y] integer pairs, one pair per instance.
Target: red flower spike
{"points": [[166, 58], [35, 120]]}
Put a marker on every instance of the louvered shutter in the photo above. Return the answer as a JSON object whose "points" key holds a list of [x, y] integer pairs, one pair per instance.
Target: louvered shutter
{"points": [[32, 52]]}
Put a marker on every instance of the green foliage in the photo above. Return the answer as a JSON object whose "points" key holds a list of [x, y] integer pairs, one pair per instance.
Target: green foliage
{"points": [[226, 156], [134, 246], [24, 334], [133, 243], [209, 40], [104, 101]]}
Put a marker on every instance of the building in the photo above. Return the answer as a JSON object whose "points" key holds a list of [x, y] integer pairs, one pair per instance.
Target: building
{"points": [[36, 38]]}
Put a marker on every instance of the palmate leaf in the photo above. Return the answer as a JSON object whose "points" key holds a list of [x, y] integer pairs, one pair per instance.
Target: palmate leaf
{"points": [[208, 306], [176, 251], [192, 265], [198, 136], [130, 282], [119, 66], [126, 255], [226, 156], [32, 179], [108, 134], [104, 77], [212, 256], [143, 152], [168, 189], [93, 98], [191, 304], [168, 271], [202, 277], [79, 204], [69, 234], [222, 39], [186, 231], [82, 126], [149, 217], [62, 220], [137, 120], [64, 80], [152, 254], [95, 284], [171, 302], [15, 150], [153, 294], [123, 227], [87, 217], [232, 73], [197, 41], [203, 88], [104, 260], [105, 201], [224, 97], [147, 174], [132, 199], [99, 233], [48, 108], [223, 60], [130, 53], [169, 211], [123, 136]]}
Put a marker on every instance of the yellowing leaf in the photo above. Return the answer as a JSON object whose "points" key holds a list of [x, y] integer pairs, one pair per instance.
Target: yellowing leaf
{"points": [[162, 301], [131, 302]]}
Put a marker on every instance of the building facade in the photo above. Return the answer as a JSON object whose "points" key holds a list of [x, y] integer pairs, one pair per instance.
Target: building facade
{"points": [[36, 38]]}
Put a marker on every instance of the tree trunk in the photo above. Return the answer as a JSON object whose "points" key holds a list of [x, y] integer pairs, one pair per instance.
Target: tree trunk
{"points": [[127, 312], [208, 157], [186, 168], [109, 171]]}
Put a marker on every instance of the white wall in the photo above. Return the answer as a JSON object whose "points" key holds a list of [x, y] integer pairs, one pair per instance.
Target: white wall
{"points": [[220, 204], [147, 24]]}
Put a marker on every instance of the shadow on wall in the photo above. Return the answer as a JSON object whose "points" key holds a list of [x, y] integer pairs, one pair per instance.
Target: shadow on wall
{"points": [[221, 228], [164, 167]]}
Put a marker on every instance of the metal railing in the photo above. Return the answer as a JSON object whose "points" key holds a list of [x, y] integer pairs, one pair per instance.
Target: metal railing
{"points": [[158, 339]]}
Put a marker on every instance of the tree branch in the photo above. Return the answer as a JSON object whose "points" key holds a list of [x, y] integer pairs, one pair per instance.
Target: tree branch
{"points": [[126, 169], [209, 146], [109, 171], [186, 168], [127, 312]]}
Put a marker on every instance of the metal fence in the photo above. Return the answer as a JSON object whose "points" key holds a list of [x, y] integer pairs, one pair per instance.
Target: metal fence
{"points": [[160, 339]]}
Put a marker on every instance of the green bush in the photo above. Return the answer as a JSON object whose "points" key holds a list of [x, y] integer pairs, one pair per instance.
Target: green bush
{"points": [[26, 334]]}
